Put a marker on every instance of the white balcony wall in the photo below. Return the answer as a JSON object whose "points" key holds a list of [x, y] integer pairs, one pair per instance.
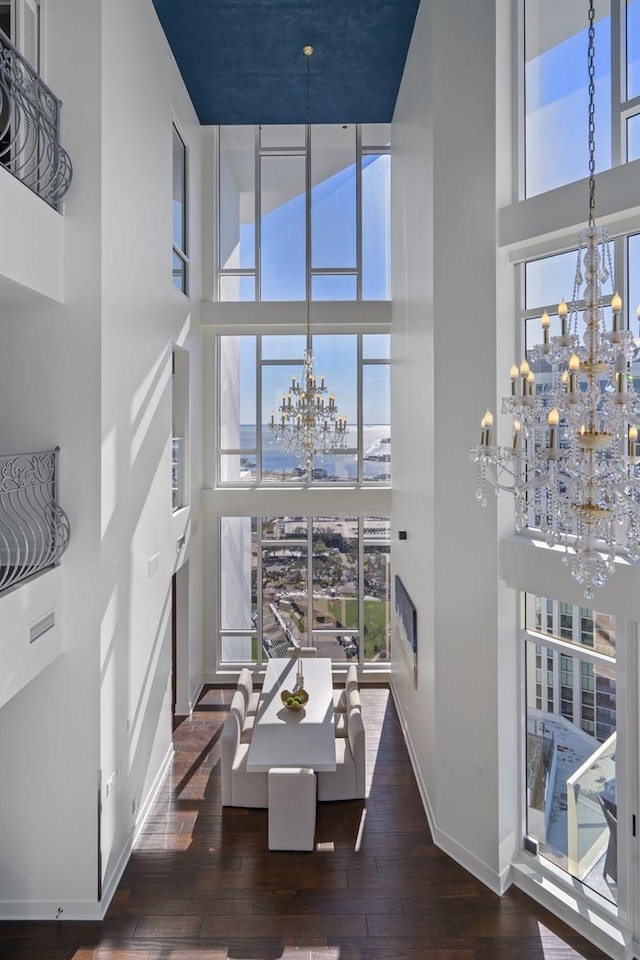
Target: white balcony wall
{"points": [[31, 245], [93, 374], [449, 149]]}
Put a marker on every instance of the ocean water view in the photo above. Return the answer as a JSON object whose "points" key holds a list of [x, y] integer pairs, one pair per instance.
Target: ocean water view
{"points": [[280, 464]]}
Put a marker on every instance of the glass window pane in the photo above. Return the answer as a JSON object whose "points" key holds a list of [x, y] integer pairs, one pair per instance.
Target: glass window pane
{"points": [[604, 624], [336, 466], [237, 573], [283, 348], [633, 138], [179, 191], [333, 196], [277, 463], [334, 287], [282, 228], [235, 289], [377, 560], [634, 281], [633, 49], [284, 597], [237, 401], [237, 467], [335, 573], [282, 135], [237, 198], [341, 647], [179, 273], [284, 528], [376, 206], [336, 360], [376, 419], [238, 649], [376, 346], [377, 528], [550, 279], [375, 134], [556, 92], [573, 814]]}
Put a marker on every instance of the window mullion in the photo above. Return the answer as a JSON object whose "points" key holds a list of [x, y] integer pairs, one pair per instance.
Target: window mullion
{"points": [[257, 216], [358, 212], [618, 83]]}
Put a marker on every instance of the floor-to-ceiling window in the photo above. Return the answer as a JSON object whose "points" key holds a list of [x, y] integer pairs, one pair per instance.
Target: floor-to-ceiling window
{"points": [[303, 575], [578, 701]]}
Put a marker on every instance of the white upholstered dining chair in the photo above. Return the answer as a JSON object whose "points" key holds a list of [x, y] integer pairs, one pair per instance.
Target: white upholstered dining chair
{"points": [[340, 696], [340, 720], [348, 780], [240, 788], [251, 697]]}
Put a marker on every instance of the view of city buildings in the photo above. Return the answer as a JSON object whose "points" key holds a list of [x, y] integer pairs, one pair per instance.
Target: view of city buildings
{"points": [[570, 654], [305, 581]]}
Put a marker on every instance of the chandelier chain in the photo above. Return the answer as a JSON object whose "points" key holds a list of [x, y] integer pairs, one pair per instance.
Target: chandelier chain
{"points": [[309, 423], [592, 117], [307, 173]]}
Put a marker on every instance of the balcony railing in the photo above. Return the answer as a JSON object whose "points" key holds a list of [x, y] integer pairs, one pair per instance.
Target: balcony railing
{"points": [[29, 128], [34, 529]]}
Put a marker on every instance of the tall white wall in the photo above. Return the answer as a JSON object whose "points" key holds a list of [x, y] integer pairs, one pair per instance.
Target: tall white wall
{"points": [[94, 375], [447, 128]]}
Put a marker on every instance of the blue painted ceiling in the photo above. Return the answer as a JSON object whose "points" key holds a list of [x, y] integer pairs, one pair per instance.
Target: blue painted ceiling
{"points": [[242, 60]]}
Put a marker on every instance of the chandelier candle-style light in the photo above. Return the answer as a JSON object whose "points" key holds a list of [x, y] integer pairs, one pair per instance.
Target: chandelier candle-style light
{"points": [[308, 422], [573, 464]]}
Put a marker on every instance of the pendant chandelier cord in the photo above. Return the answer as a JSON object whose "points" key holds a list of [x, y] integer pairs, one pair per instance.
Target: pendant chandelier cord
{"points": [[592, 115], [308, 50]]}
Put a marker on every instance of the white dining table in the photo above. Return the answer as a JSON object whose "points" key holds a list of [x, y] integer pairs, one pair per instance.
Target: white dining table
{"points": [[294, 738]]}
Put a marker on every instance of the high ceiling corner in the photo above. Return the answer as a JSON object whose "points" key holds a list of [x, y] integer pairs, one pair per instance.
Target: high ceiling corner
{"points": [[242, 60]]}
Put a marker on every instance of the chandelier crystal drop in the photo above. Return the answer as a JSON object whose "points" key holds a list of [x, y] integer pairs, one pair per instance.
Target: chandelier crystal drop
{"points": [[573, 465], [308, 422]]}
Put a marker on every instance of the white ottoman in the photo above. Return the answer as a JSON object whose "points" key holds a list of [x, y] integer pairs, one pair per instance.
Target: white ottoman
{"points": [[292, 808]]}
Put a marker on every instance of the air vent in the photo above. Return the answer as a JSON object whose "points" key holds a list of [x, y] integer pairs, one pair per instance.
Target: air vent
{"points": [[37, 629]]}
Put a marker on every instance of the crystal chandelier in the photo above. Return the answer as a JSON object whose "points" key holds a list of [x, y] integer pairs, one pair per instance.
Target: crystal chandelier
{"points": [[308, 422], [573, 464]]}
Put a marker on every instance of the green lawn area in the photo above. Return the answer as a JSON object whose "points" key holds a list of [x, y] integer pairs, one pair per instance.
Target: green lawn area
{"points": [[345, 612]]}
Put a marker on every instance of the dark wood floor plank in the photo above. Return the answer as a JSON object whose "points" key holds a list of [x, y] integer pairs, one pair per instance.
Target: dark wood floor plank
{"points": [[202, 883]]}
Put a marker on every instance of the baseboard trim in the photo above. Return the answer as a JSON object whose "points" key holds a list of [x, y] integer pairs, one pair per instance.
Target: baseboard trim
{"points": [[451, 847]]}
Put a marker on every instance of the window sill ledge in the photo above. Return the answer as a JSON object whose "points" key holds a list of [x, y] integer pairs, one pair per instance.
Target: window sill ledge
{"points": [[588, 914]]}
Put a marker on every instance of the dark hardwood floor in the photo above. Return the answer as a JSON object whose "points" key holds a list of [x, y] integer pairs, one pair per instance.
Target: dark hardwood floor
{"points": [[201, 882]]}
